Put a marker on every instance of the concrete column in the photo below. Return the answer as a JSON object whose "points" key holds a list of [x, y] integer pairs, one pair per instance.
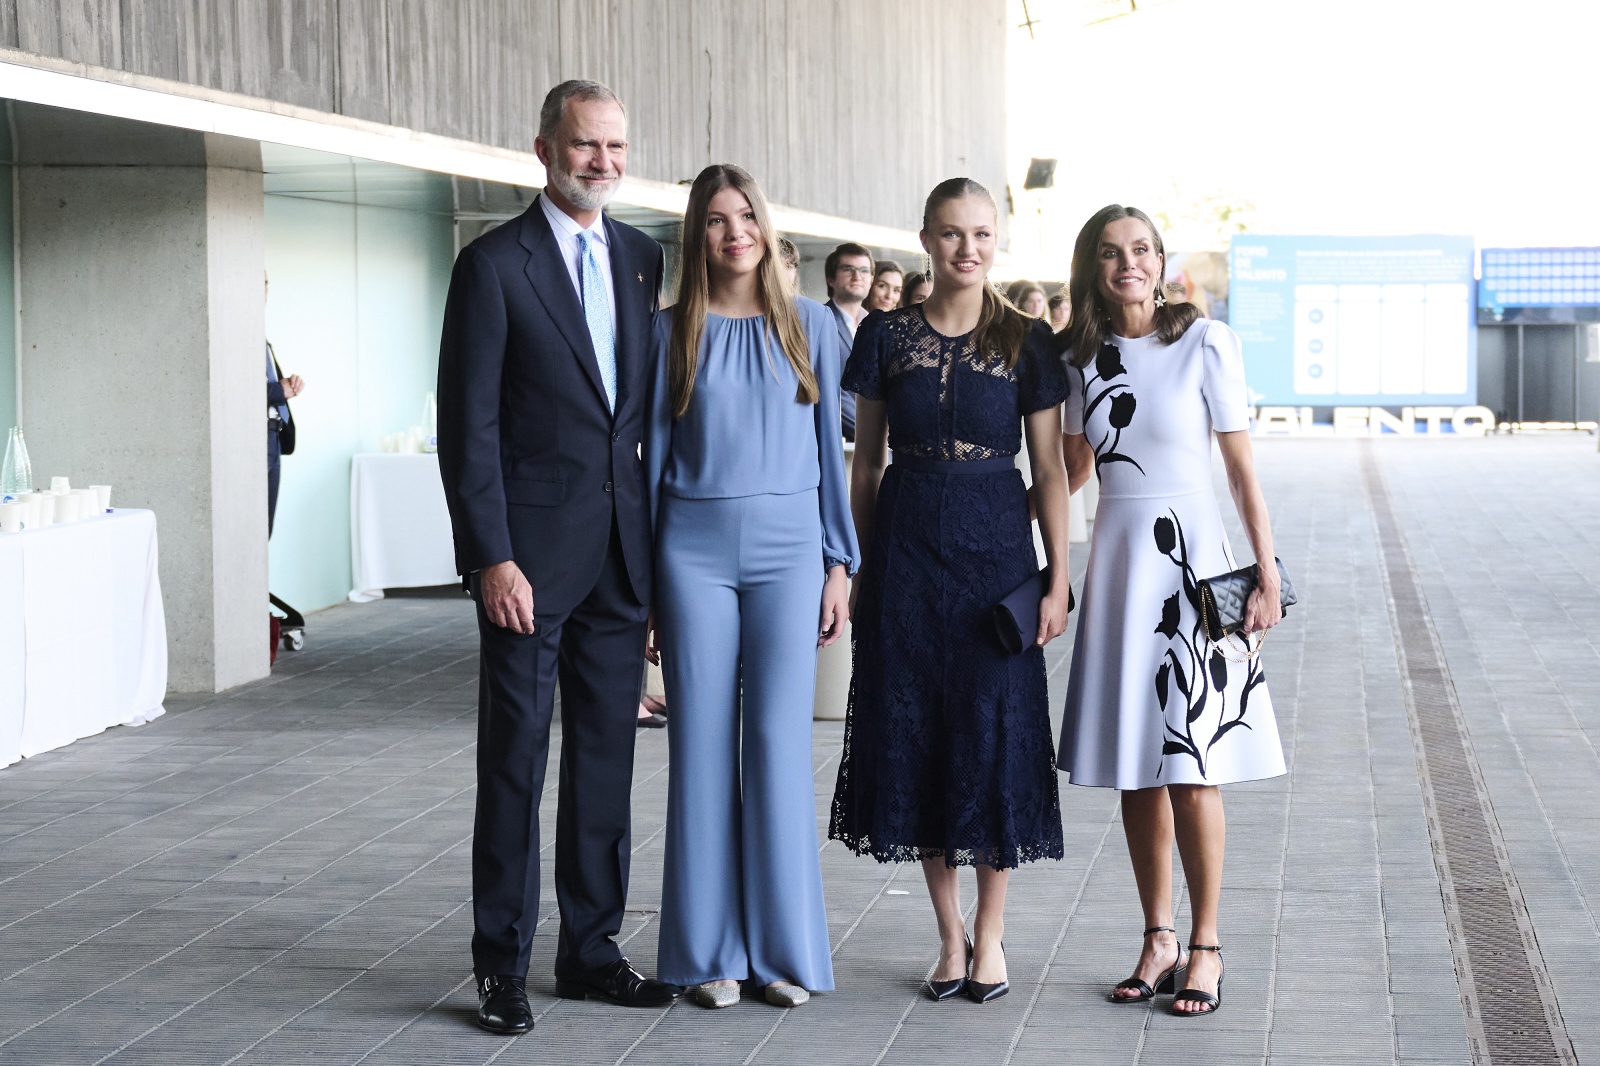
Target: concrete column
{"points": [[140, 257]]}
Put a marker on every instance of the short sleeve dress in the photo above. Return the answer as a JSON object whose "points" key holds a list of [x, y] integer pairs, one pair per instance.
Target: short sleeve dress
{"points": [[1149, 701], [947, 749]]}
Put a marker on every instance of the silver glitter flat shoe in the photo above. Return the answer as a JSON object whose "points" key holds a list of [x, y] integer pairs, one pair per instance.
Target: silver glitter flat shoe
{"points": [[782, 994], [714, 996]]}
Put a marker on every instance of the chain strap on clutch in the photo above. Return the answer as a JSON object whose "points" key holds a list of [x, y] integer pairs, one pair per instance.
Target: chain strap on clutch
{"points": [[1222, 605]]}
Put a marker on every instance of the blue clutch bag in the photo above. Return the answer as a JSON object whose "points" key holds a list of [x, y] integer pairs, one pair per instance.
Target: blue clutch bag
{"points": [[1016, 618]]}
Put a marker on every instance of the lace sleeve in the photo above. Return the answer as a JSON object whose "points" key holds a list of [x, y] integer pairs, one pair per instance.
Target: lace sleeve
{"points": [[863, 375], [1041, 375]]}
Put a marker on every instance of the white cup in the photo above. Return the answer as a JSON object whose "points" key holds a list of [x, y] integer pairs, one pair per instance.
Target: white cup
{"points": [[67, 506], [47, 508], [30, 503], [60, 484], [88, 503], [12, 517], [104, 493]]}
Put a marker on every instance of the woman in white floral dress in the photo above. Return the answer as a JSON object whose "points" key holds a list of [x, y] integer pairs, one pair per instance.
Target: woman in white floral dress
{"points": [[1153, 708]]}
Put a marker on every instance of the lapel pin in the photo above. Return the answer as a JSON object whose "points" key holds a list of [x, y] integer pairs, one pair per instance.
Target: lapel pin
{"points": [[640, 277]]}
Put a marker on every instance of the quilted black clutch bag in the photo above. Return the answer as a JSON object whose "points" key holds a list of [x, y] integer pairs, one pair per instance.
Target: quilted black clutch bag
{"points": [[1016, 618], [1222, 599]]}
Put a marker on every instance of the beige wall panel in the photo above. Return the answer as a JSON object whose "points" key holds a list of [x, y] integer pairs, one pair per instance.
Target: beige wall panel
{"points": [[838, 106]]}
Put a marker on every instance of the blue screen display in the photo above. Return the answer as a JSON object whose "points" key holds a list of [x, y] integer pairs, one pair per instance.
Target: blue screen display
{"points": [[1540, 277], [1334, 321]]}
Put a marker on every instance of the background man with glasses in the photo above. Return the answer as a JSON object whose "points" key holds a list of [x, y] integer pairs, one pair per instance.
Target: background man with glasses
{"points": [[848, 270]]}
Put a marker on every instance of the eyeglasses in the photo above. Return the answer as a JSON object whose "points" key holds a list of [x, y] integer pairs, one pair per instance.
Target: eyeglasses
{"points": [[860, 272]]}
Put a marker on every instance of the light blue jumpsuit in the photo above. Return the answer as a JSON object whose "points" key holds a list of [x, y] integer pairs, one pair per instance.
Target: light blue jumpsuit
{"points": [[749, 499]]}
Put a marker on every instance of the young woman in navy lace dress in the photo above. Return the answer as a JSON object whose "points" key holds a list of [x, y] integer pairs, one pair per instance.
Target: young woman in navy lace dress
{"points": [[947, 755]]}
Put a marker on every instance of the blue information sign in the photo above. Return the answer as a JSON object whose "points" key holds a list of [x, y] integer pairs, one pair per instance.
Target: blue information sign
{"points": [[1539, 277], [1336, 321]]}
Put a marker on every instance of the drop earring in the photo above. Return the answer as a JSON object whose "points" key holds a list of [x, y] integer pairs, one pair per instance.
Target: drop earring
{"points": [[1161, 295]]}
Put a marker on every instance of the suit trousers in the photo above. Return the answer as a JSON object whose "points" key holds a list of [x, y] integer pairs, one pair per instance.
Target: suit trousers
{"points": [[274, 464], [739, 593], [595, 654]]}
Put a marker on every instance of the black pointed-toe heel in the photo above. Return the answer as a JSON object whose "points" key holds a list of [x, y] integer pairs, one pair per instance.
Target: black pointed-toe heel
{"points": [[1194, 995], [979, 992], [1165, 983], [938, 991]]}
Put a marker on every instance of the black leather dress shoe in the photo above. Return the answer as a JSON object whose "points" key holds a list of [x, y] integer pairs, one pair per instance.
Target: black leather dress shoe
{"points": [[503, 1005], [620, 983]]}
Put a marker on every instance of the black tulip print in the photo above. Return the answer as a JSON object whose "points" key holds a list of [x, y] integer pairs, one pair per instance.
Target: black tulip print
{"points": [[1199, 670], [1219, 669], [1122, 408], [1166, 535], [1108, 365], [1169, 619], [1108, 361]]}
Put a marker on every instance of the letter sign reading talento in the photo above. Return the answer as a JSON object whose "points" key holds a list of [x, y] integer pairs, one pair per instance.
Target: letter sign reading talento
{"points": [[1357, 321]]}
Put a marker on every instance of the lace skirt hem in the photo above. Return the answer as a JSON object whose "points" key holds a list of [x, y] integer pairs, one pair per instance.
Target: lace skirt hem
{"points": [[1003, 857]]}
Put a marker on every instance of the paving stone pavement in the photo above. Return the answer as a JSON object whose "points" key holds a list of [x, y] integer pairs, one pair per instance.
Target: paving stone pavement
{"points": [[279, 874]]}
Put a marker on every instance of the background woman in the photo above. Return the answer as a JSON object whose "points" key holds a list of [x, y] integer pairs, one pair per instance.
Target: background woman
{"points": [[947, 755], [745, 468], [887, 282], [1059, 314], [916, 289], [1152, 708], [1027, 297]]}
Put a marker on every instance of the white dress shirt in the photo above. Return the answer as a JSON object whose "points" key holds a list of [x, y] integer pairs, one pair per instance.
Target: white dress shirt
{"points": [[566, 230]]}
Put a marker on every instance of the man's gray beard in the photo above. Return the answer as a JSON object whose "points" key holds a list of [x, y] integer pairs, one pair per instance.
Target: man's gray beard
{"points": [[577, 193]]}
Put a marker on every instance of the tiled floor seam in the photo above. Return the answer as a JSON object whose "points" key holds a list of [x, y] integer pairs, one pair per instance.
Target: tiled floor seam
{"points": [[253, 906], [1446, 762], [243, 859]]}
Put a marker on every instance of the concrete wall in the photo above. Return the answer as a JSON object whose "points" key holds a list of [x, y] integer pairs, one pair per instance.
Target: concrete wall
{"points": [[847, 107], [139, 254], [357, 298]]}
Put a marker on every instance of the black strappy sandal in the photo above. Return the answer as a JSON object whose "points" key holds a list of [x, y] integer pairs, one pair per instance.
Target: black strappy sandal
{"points": [[1194, 995], [1164, 983]]}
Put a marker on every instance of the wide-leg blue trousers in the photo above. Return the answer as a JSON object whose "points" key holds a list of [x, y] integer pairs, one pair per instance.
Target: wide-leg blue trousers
{"points": [[738, 598]]}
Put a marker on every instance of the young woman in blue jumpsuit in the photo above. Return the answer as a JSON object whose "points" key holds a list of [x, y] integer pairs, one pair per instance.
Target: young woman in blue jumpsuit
{"points": [[754, 546]]}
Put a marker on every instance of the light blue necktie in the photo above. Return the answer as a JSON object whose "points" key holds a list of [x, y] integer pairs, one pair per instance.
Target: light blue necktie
{"points": [[597, 314]]}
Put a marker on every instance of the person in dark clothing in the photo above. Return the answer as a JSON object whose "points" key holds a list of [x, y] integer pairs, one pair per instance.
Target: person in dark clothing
{"points": [[280, 422]]}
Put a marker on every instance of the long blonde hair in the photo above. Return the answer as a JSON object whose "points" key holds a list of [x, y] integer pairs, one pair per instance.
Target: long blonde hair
{"points": [[694, 289], [1001, 327]]}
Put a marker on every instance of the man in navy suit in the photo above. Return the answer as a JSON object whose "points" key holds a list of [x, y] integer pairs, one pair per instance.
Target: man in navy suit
{"points": [[542, 397], [848, 274]]}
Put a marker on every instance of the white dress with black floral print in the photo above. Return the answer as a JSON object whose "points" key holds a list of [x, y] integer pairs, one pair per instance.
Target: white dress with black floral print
{"points": [[1149, 701]]}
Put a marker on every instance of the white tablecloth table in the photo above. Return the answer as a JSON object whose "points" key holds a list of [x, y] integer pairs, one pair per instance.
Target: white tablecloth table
{"points": [[399, 527], [83, 637]]}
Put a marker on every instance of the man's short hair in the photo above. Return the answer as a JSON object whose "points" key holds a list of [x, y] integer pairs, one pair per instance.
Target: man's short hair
{"points": [[830, 266], [555, 102]]}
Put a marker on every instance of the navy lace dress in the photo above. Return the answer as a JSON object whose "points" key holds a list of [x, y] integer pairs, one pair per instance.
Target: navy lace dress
{"points": [[947, 748]]}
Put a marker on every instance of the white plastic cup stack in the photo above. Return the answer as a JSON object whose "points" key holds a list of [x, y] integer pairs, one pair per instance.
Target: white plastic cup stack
{"points": [[60, 484]]}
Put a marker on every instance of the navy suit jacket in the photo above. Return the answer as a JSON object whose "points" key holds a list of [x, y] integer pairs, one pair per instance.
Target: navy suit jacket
{"points": [[534, 465], [847, 400]]}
